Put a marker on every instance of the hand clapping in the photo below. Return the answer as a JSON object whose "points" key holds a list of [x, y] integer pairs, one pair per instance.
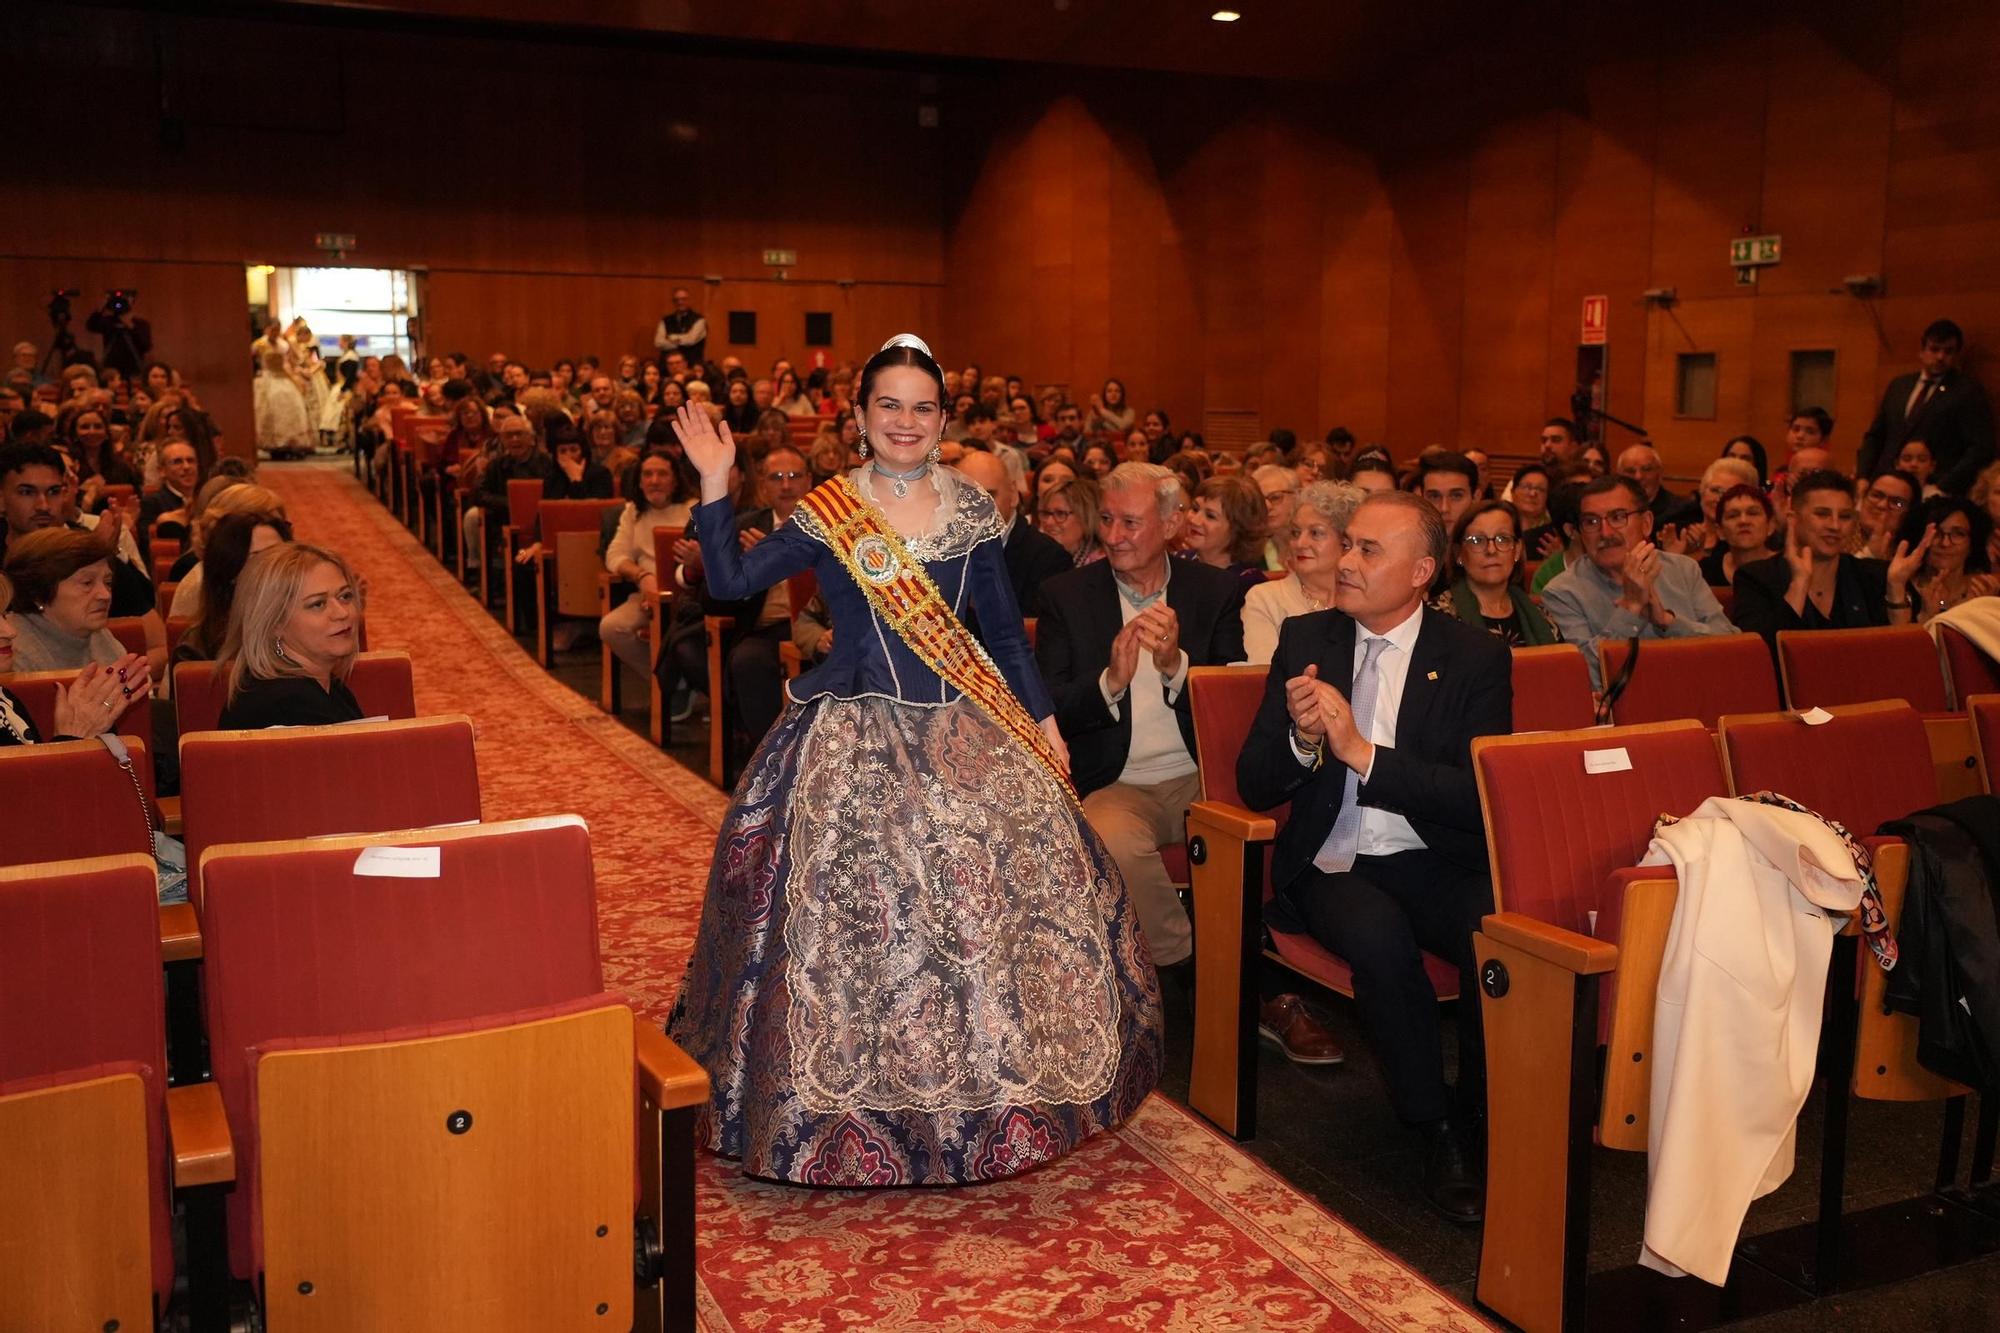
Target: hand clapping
{"points": [[1321, 712]]}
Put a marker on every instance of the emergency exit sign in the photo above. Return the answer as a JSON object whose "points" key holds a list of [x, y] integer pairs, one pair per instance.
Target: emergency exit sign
{"points": [[1596, 321], [1750, 251], [333, 240], [781, 258]]}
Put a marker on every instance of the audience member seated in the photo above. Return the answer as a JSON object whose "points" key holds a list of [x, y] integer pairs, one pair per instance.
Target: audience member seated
{"points": [[1698, 529], [1384, 853], [1115, 642], [1033, 557], [1883, 504], [292, 640], [62, 579], [1226, 529], [1279, 485], [1488, 594], [1450, 481], [520, 459], [1751, 450], [1529, 492], [661, 502], [1066, 509], [1937, 403], [1317, 537], [240, 500], [1109, 412], [576, 475], [1916, 459], [164, 513], [1814, 583], [1746, 520], [88, 706], [1564, 510], [759, 623], [1627, 588], [1560, 450], [1951, 536], [1641, 462], [1986, 494], [1373, 472], [232, 541]]}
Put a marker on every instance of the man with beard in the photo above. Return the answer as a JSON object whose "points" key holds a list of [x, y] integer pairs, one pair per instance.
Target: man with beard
{"points": [[1562, 451], [1627, 587]]}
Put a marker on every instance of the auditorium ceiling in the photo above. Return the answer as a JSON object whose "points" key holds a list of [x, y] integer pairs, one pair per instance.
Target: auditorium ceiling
{"points": [[1312, 40]]}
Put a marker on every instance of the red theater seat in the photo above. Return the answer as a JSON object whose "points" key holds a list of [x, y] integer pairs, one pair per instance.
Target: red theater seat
{"points": [[431, 1065], [1574, 917], [302, 782], [86, 1230], [1552, 689], [1971, 670], [1822, 668], [37, 692], [1701, 678], [1985, 711], [567, 566], [383, 684]]}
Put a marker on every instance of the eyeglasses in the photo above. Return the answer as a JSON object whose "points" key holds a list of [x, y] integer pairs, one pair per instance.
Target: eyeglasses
{"points": [[1617, 518], [1059, 515], [1888, 501], [1952, 536], [784, 476], [1499, 541]]}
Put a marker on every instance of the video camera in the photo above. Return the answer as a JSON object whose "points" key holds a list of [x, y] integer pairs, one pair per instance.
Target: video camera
{"points": [[59, 305], [119, 300]]}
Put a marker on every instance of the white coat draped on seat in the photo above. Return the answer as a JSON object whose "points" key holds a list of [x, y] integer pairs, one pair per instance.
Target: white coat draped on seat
{"points": [[1736, 1030]]}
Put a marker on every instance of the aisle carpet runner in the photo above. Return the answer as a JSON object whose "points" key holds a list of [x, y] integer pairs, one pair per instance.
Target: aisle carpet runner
{"points": [[1162, 1226]]}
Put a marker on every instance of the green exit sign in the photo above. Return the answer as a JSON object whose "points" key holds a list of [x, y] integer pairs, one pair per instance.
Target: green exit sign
{"points": [[1748, 251], [781, 258]]}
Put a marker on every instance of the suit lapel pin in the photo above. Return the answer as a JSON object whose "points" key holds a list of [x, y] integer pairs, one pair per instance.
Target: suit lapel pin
{"points": [[1431, 676]]}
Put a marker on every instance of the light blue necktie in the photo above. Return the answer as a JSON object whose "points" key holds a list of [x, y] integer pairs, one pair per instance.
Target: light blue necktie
{"points": [[1337, 853]]}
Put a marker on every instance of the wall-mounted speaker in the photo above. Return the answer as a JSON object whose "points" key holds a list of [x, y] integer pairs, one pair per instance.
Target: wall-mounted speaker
{"points": [[819, 328], [743, 327]]}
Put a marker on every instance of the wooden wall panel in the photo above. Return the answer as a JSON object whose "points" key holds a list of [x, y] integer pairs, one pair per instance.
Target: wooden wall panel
{"points": [[1427, 199], [1509, 237]]}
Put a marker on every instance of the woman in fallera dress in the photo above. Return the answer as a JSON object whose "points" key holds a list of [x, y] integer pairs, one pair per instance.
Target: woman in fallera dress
{"points": [[917, 964]]}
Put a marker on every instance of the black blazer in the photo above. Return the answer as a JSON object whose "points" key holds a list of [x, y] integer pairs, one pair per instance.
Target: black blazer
{"points": [[1033, 558], [1080, 617], [1957, 423], [1460, 686], [748, 611], [1859, 589]]}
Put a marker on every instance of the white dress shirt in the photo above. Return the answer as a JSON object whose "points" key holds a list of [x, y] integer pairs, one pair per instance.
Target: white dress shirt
{"points": [[1382, 833], [1158, 752]]}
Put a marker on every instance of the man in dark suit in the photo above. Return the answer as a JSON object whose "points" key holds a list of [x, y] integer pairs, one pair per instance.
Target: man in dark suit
{"points": [[1115, 641], [1814, 583], [1366, 728], [1033, 557], [1942, 406]]}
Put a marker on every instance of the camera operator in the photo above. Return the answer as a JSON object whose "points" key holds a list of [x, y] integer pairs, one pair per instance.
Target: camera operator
{"points": [[126, 341]]}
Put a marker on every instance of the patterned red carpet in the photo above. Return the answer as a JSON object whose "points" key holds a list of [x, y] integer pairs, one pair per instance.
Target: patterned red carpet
{"points": [[1163, 1226]]}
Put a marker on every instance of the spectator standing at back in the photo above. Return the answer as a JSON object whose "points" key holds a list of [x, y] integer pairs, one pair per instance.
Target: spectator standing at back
{"points": [[1940, 404], [682, 330], [1641, 462]]}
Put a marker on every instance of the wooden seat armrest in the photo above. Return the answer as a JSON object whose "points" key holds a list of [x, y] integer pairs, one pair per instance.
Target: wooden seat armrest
{"points": [[668, 1075], [170, 816], [1232, 821], [199, 1131], [180, 933], [1552, 944]]}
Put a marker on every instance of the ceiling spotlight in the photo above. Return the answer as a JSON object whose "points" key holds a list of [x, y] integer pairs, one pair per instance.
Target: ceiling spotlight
{"points": [[1225, 16]]}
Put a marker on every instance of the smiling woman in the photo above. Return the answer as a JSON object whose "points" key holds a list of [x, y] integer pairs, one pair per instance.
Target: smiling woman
{"points": [[292, 640]]}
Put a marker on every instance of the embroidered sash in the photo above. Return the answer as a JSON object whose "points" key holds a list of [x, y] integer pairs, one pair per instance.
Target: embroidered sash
{"points": [[901, 592]]}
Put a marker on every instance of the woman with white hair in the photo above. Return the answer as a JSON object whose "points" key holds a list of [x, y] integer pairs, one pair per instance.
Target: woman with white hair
{"points": [[1317, 538]]}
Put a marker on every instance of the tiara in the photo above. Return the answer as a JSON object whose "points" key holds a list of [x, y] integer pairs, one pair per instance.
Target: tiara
{"points": [[911, 341]]}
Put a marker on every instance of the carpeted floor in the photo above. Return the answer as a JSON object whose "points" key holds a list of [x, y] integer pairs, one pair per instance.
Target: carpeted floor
{"points": [[1162, 1226]]}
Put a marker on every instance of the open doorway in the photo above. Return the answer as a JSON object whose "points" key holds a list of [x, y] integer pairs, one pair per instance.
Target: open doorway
{"points": [[316, 329]]}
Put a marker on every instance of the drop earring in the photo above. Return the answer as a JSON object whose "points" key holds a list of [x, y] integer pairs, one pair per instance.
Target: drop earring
{"points": [[864, 443], [937, 452], [279, 645]]}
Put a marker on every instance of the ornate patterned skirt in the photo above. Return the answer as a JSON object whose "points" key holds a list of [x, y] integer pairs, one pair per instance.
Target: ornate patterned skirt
{"points": [[917, 964]]}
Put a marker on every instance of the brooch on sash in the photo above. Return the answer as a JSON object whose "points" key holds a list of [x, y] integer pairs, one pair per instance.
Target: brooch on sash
{"points": [[877, 563]]}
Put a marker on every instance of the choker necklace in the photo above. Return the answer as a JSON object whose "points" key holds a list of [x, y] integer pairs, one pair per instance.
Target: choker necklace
{"points": [[902, 479]]}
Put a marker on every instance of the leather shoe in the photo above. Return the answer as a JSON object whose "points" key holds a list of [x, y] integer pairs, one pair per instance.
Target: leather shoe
{"points": [[1299, 1035], [1451, 1182]]}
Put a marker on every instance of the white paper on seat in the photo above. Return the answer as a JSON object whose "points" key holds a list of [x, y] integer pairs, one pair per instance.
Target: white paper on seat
{"points": [[1815, 717], [399, 862], [1614, 760]]}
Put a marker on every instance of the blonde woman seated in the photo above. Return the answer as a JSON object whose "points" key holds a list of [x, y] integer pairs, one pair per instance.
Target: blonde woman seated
{"points": [[1488, 594], [1317, 538], [293, 635]]}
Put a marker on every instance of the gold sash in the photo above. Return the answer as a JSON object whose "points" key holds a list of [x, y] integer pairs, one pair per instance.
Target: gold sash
{"points": [[901, 592]]}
